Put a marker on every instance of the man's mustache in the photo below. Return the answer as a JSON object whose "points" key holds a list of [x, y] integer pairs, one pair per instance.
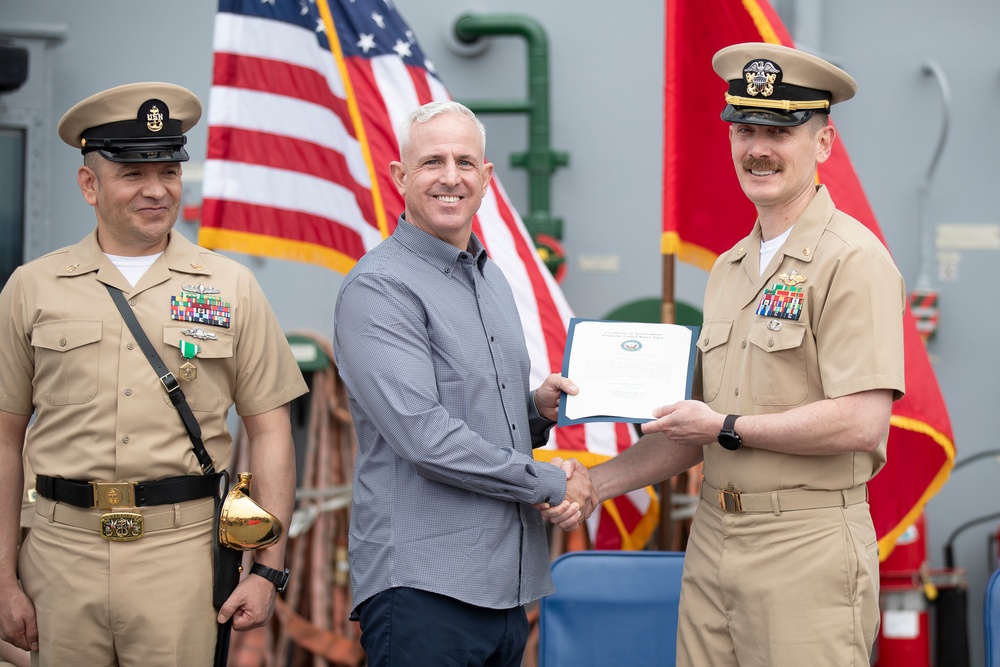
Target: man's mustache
{"points": [[762, 164]]}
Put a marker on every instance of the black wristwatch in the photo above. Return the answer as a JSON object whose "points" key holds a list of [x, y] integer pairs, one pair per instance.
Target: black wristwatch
{"points": [[729, 438], [277, 577]]}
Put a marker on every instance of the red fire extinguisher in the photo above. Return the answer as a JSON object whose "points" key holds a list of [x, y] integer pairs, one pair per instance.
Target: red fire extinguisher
{"points": [[906, 589]]}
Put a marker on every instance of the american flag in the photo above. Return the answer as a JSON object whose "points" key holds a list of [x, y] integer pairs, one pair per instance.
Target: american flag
{"points": [[305, 101]]}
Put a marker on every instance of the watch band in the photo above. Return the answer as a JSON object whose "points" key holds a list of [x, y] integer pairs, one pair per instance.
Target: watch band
{"points": [[277, 577], [729, 422]]}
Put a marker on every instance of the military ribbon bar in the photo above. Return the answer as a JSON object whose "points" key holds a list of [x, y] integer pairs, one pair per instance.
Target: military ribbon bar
{"points": [[781, 301], [200, 309]]}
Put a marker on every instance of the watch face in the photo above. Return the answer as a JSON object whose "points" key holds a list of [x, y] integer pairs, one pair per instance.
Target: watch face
{"points": [[730, 440], [728, 437]]}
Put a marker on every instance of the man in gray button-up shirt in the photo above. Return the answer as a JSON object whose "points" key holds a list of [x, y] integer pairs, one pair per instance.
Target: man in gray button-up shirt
{"points": [[445, 546]]}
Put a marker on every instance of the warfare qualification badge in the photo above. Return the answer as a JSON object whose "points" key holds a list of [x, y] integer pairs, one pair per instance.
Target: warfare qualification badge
{"points": [[198, 332], [793, 277]]}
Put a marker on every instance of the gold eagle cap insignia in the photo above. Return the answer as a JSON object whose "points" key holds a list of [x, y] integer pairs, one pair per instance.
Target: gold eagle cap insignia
{"points": [[760, 76]]}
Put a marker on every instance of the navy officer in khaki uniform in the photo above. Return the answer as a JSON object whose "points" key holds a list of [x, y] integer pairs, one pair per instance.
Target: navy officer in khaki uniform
{"points": [[799, 360], [107, 445]]}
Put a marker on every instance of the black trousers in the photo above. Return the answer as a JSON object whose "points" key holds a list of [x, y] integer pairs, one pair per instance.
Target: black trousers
{"points": [[407, 627]]}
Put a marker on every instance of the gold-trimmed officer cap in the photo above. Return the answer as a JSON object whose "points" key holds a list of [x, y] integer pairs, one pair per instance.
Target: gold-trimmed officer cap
{"points": [[137, 122], [770, 84]]}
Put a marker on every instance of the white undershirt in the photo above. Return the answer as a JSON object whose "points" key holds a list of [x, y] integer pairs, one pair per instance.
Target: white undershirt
{"points": [[768, 248], [133, 268]]}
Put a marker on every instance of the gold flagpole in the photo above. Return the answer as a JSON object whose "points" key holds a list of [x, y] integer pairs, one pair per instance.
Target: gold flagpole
{"points": [[664, 539]]}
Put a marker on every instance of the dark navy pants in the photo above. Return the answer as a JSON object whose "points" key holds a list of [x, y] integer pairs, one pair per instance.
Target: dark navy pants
{"points": [[407, 627]]}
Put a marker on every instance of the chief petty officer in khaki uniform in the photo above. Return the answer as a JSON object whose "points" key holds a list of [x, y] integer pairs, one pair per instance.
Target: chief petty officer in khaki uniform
{"points": [[102, 415], [800, 358]]}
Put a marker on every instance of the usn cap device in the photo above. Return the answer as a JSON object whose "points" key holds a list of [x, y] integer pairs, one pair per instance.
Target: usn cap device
{"points": [[137, 122]]}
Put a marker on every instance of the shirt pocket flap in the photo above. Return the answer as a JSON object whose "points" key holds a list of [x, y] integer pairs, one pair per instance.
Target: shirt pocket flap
{"points": [[218, 347], [714, 334], [66, 335], [788, 337]]}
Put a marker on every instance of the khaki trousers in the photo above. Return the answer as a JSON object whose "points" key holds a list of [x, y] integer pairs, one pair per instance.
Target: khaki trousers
{"points": [[145, 603], [766, 590]]}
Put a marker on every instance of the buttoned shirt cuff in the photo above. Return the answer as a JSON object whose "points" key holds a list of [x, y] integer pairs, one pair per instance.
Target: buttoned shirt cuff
{"points": [[551, 483]]}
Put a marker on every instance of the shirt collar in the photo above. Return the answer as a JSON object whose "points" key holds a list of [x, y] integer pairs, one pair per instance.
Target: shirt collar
{"points": [[184, 256], [84, 257], [180, 255], [806, 231], [440, 254], [810, 226]]}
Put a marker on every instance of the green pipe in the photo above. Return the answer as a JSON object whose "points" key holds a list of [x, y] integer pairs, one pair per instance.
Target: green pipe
{"points": [[540, 160]]}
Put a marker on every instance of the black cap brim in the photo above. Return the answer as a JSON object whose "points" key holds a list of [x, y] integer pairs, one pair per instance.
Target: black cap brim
{"points": [[140, 149], [146, 154], [770, 117]]}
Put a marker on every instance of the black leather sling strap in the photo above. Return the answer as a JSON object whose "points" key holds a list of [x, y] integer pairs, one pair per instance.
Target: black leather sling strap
{"points": [[167, 379]]}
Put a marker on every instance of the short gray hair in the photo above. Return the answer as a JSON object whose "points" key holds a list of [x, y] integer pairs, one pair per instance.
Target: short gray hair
{"points": [[426, 112], [95, 161]]}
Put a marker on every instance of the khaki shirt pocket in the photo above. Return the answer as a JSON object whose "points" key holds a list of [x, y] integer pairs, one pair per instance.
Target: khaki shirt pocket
{"points": [[67, 360], [712, 345], [778, 374], [213, 374]]}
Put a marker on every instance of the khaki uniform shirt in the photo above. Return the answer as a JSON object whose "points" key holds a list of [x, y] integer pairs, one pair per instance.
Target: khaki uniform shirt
{"points": [[848, 338], [101, 412]]}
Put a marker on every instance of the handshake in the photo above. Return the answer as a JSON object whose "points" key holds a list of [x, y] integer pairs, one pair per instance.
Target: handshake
{"points": [[581, 497]]}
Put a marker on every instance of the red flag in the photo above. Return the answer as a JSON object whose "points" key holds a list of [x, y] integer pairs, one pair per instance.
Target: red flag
{"points": [[305, 101], [703, 217]]}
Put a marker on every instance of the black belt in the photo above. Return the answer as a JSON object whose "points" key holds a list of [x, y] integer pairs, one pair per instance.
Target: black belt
{"points": [[112, 495]]}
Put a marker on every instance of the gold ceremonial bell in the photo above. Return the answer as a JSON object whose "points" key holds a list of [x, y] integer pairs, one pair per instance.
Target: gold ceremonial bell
{"points": [[244, 524]]}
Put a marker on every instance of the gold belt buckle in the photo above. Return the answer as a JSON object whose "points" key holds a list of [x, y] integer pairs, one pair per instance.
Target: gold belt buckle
{"points": [[729, 501], [121, 526], [111, 495]]}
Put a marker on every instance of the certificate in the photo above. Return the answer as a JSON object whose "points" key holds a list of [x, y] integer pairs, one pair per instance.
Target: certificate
{"points": [[625, 369]]}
